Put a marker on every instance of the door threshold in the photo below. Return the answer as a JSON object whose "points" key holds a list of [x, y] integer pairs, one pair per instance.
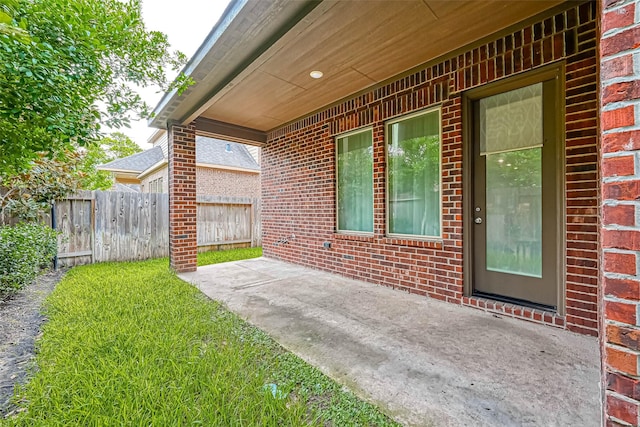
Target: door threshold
{"points": [[516, 301]]}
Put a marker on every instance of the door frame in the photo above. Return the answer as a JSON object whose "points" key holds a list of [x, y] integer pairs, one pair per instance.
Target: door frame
{"points": [[552, 71]]}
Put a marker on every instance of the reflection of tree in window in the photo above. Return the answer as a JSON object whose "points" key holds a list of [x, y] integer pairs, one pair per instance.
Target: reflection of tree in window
{"points": [[414, 176], [514, 211], [355, 182]]}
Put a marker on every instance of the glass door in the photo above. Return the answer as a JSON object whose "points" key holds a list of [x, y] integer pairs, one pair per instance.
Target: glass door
{"points": [[515, 187]]}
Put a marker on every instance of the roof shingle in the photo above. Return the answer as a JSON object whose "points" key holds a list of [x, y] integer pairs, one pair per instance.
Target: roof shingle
{"points": [[217, 152], [138, 162]]}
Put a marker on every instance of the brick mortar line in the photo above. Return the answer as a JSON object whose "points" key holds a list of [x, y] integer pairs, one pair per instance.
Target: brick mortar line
{"points": [[635, 127], [614, 154], [619, 30], [615, 227], [619, 5], [620, 179], [615, 299], [615, 202], [616, 105], [624, 350], [620, 54], [620, 79]]}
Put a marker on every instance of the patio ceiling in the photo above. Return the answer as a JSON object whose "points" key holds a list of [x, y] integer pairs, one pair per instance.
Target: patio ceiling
{"points": [[252, 71]]}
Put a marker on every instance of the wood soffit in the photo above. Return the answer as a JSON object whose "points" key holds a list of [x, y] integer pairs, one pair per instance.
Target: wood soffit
{"points": [[356, 44]]}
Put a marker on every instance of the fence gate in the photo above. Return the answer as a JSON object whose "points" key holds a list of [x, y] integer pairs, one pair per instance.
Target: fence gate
{"points": [[131, 226], [73, 218]]}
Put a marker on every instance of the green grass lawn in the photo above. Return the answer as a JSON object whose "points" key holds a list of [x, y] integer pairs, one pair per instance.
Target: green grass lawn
{"points": [[130, 344], [217, 257]]}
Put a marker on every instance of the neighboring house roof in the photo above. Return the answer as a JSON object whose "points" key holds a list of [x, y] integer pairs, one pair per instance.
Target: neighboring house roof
{"points": [[135, 163], [211, 151]]}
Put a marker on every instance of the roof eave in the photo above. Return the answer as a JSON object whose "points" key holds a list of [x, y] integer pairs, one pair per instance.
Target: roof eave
{"points": [[226, 167], [153, 168], [224, 40], [117, 170]]}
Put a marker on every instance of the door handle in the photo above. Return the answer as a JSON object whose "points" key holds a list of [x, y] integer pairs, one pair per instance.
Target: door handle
{"points": [[478, 220]]}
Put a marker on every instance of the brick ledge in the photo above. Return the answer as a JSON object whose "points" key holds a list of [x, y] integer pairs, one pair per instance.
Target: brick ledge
{"points": [[515, 311]]}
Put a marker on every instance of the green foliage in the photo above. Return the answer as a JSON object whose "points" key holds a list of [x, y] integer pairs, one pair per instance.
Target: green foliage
{"points": [[115, 146], [75, 68], [131, 344], [7, 27], [414, 181], [216, 257], [24, 250], [28, 194], [520, 168]]}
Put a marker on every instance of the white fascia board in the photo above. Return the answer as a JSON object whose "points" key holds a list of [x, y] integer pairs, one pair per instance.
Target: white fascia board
{"points": [[231, 168], [152, 169]]}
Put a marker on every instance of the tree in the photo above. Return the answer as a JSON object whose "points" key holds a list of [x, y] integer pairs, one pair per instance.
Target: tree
{"points": [[28, 194], [66, 66], [116, 146], [6, 22]]}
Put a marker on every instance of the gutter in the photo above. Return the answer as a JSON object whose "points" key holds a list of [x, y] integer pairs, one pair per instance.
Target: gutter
{"points": [[131, 171]]}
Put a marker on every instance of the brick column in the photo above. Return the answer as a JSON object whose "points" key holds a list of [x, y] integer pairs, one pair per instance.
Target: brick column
{"points": [[620, 226], [183, 245]]}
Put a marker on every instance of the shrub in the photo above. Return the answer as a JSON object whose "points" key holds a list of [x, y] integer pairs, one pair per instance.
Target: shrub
{"points": [[24, 250]]}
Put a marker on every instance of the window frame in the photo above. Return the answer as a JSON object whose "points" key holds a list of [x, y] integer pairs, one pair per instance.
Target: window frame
{"points": [[387, 126], [337, 178]]}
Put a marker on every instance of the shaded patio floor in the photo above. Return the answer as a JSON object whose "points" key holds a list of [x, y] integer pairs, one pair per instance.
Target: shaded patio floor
{"points": [[423, 361]]}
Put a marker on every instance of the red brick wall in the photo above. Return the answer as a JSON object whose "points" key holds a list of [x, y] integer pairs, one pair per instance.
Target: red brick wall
{"points": [[620, 228], [182, 198], [299, 172]]}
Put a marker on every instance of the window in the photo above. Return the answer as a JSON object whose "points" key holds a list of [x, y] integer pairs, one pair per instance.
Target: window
{"points": [[354, 169], [155, 186], [413, 175]]}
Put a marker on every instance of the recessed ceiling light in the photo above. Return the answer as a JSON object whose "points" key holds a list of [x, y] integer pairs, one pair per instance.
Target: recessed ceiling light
{"points": [[316, 74]]}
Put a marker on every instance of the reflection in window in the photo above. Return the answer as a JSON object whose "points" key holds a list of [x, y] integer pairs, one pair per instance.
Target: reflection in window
{"points": [[514, 212], [355, 181], [413, 168]]}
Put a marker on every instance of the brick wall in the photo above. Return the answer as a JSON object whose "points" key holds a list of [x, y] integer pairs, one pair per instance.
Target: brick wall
{"points": [[222, 182], [620, 228], [299, 172], [182, 198]]}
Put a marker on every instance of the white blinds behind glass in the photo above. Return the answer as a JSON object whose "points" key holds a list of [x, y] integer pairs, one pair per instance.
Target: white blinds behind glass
{"points": [[511, 121]]}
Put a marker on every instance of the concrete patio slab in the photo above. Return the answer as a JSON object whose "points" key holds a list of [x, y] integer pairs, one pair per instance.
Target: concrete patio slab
{"points": [[423, 361]]}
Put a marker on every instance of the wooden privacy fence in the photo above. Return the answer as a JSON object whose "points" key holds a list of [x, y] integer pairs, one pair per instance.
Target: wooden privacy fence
{"points": [[231, 221], [99, 226]]}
